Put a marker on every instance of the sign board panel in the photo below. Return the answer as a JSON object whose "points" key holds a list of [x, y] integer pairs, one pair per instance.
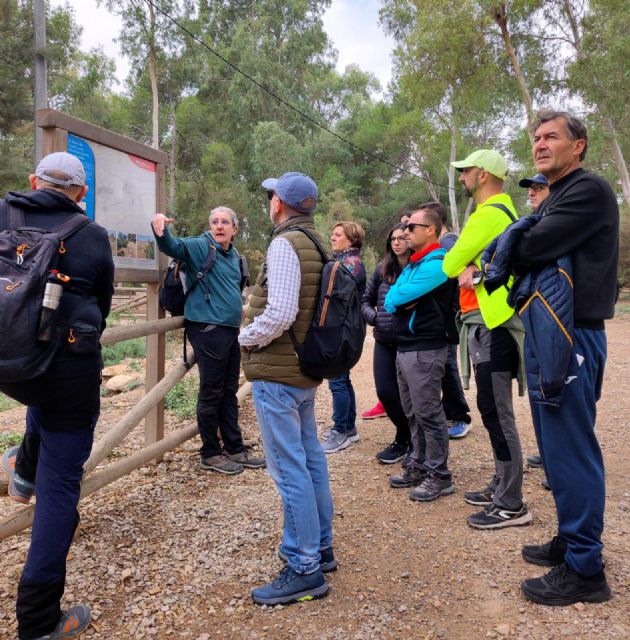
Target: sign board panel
{"points": [[122, 198]]}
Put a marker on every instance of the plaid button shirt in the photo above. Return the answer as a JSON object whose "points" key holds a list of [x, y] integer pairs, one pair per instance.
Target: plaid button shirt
{"points": [[283, 283]]}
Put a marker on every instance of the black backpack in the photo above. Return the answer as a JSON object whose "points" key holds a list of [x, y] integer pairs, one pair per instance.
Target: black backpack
{"points": [[334, 340], [173, 292], [29, 258]]}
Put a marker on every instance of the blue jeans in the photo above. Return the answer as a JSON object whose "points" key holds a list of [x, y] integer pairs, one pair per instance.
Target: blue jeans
{"points": [[298, 466], [54, 460], [344, 405], [571, 453]]}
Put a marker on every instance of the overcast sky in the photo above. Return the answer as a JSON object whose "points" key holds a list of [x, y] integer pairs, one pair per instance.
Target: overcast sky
{"points": [[352, 26]]}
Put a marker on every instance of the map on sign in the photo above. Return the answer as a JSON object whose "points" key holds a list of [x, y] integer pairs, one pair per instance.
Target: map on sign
{"points": [[122, 198]]}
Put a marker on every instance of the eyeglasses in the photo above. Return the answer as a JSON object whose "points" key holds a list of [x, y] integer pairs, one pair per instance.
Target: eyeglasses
{"points": [[537, 187], [410, 226], [270, 195], [398, 239]]}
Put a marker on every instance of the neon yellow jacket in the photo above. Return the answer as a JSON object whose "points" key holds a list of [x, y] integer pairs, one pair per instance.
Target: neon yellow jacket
{"points": [[482, 227]]}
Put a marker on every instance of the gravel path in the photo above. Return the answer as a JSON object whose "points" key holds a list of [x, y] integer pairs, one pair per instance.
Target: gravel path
{"points": [[172, 552]]}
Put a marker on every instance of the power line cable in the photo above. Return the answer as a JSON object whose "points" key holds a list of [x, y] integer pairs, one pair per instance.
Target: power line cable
{"points": [[289, 105]]}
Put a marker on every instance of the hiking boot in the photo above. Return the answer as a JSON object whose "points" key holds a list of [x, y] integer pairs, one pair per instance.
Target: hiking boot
{"points": [[19, 490], [479, 498], [550, 554], [377, 411], [458, 430], [248, 461], [71, 624], [392, 453], [494, 517], [327, 561], [291, 587], [409, 477], [432, 487], [335, 441], [222, 464], [563, 586], [535, 462]]}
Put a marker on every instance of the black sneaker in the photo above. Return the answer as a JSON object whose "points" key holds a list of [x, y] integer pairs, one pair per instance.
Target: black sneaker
{"points": [[494, 517], [409, 477], [550, 554], [535, 462], [327, 562], [563, 586], [432, 487], [479, 498], [393, 453]]}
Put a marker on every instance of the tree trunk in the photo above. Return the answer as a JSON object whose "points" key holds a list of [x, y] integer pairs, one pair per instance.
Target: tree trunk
{"points": [[620, 162], [469, 207], [172, 162], [153, 76], [452, 196], [500, 16]]}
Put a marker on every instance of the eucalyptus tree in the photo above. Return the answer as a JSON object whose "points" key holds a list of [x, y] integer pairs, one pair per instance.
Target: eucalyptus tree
{"points": [[451, 70]]}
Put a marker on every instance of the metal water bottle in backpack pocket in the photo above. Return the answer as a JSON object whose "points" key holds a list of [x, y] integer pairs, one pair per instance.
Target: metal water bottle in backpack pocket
{"points": [[28, 260]]}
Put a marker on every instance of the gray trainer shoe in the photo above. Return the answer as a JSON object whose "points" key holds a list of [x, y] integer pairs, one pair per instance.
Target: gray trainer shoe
{"points": [[335, 441], [247, 460], [20, 490], [432, 487], [71, 624], [222, 464]]}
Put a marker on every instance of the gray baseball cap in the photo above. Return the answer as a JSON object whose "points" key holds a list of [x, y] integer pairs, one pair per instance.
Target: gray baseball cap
{"points": [[65, 163]]}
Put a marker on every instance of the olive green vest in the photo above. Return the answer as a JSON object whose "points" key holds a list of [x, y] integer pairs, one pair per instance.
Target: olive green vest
{"points": [[277, 362]]}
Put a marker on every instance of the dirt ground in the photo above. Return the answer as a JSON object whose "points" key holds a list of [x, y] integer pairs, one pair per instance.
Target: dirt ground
{"points": [[173, 552]]}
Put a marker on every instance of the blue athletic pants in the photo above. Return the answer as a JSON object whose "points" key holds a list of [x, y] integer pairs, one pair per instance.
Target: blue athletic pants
{"points": [[571, 453], [54, 460]]}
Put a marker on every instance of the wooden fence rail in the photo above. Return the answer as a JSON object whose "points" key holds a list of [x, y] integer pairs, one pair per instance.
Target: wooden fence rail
{"points": [[23, 518]]}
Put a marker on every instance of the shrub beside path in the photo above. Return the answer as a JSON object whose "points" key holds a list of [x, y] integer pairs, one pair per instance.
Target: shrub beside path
{"points": [[172, 552]]}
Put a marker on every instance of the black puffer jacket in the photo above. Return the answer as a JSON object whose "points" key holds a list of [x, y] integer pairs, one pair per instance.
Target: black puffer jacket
{"points": [[372, 307]]}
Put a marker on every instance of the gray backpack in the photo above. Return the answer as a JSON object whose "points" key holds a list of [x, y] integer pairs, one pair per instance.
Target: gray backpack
{"points": [[29, 258]]}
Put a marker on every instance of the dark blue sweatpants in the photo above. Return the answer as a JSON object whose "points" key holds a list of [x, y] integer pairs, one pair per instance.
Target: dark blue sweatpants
{"points": [[571, 453], [54, 460]]}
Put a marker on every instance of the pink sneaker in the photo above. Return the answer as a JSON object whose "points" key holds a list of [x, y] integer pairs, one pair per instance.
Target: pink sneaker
{"points": [[374, 412]]}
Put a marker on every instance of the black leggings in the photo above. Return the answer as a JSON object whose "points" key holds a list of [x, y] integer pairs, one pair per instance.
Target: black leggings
{"points": [[387, 389]]}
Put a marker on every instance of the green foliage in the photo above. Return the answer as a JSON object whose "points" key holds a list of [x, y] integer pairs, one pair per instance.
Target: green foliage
{"points": [[8, 440], [453, 90], [7, 403], [117, 352], [181, 400]]}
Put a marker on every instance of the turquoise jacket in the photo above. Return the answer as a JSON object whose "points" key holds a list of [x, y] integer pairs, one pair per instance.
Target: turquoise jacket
{"points": [[416, 280], [224, 306]]}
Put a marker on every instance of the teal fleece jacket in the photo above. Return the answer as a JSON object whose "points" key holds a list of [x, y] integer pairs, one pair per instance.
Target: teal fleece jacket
{"points": [[417, 279], [224, 306]]}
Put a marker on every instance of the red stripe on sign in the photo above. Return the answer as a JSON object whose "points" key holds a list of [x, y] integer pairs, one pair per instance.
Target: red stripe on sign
{"points": [[147, 165]]}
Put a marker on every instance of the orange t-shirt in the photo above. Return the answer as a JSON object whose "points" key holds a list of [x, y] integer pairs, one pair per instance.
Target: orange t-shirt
{"points": [[468, 300]]}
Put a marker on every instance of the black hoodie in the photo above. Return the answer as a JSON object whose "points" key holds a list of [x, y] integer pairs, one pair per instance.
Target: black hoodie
{"points": [[88, 261], [89, 256]]}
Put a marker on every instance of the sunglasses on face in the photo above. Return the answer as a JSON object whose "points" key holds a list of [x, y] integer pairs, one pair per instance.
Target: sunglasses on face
{"points": [[410, 226], [270, 195], [537, 187]]}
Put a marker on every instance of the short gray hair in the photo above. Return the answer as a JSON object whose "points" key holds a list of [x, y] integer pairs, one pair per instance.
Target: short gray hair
{"points": [[223, 209]]}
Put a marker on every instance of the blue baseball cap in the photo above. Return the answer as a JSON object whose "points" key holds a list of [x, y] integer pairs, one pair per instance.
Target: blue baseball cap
{"points": [[526, 183], [296, 189]]}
